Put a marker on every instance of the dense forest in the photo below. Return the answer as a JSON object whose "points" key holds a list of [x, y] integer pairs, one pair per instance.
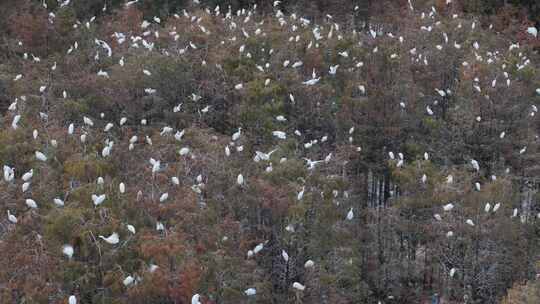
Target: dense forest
{"points": [[236, 151]]}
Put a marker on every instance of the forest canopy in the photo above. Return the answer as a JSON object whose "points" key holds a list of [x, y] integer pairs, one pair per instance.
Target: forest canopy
{"points": [[269, 151]]}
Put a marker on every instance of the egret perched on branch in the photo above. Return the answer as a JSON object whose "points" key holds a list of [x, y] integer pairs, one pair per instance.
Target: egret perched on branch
{"points": [[258, 248], [250, 292], [309, 264], [31, 203], [15, 122], [28, 175], [58, 202], [72, 300], [113, 239], [475, 165], [131, 228], [67, 250], [98, 199], [333, 69], [300, 194], [195, 299], [11, 217], [237, 134], [183, 151], [9, 173], [163, 197], [88, 121], [280, 134], [40, 156], [128, 281], [298, 286], [533, 31], [285, 255], [350, 214]]}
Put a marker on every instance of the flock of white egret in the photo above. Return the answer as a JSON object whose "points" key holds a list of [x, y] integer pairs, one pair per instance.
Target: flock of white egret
{"points": [[235, 22]]}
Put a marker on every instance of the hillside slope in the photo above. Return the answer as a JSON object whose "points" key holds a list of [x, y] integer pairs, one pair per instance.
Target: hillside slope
{"points": [[219, 156]]}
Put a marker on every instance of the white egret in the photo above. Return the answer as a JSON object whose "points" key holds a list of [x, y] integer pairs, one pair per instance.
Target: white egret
{"points": [[285, 255], [533, 31], [258, 248], [350, 214], [67, 250], [240, 179], [72, 299], [475, 165], [12, 217], [250, 292], [98, 199], [128, 280], [163, 197], [58, 202], [88, 121], [333, 69], [131, 228], [113, 239], [40, 156], [31, 203], [28, 175], [298, 286], [183, 151], [15, 121], [279, 134], [300, 194]]}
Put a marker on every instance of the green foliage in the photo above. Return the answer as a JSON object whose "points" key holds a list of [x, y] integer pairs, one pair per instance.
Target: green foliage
{"points": [[62, 225], [74, 109], [15, 149], [86, 169]]}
